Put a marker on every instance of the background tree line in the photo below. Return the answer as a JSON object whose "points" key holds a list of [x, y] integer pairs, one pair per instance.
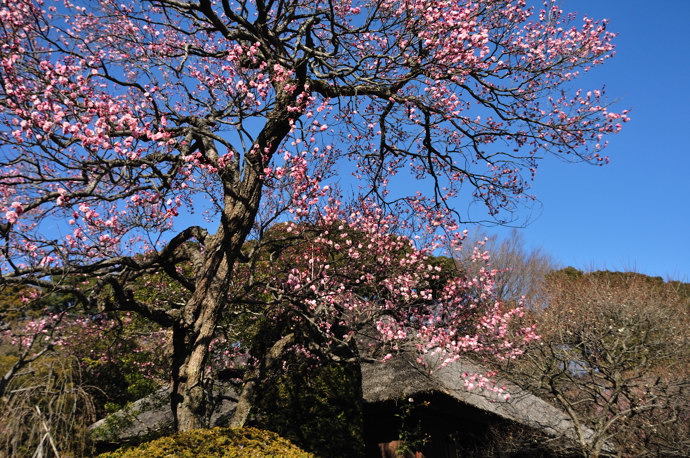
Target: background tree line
{"points": [[612, 352]]}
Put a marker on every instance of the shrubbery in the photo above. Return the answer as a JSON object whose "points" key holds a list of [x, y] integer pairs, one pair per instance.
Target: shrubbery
{"points": [[214, 443]]}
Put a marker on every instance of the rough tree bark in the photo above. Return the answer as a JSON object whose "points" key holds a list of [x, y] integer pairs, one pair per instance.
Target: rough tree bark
{"points": [[192, 335]]}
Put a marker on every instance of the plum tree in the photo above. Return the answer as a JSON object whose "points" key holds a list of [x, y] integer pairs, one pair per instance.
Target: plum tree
{"points": [[142, 137]]}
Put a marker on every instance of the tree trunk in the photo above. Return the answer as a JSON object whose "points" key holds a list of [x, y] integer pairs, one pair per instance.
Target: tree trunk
{"points": [[193, 334], [317, 404], [192, 337], [188, 400], [248, 395]]}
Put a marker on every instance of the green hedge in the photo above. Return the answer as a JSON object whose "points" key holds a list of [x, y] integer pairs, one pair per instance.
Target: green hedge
{"points": [[214, 443]]}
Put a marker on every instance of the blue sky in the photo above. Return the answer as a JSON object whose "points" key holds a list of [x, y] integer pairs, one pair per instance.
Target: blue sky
{"points": [[633, 214]]}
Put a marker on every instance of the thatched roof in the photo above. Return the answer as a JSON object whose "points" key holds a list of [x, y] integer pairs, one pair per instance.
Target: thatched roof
{"points": [[402, 376]]}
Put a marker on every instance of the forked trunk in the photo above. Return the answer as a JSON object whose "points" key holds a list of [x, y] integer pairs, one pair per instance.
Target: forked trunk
{"points": [[194, 332]]}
